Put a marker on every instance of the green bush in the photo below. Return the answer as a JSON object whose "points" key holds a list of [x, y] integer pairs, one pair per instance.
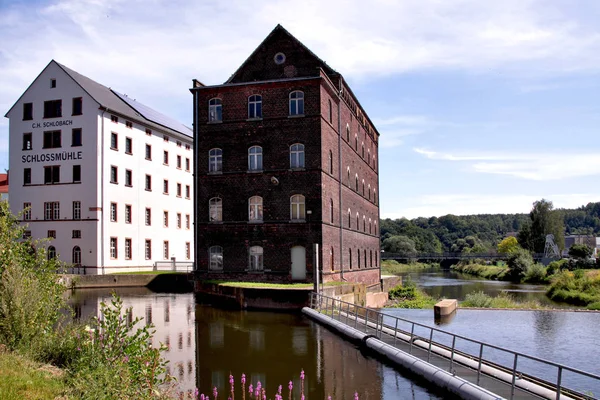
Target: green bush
{"points": [[535, 273], [575, 287], [477, 299], [518, 263], [556, 266], [594, 306]]}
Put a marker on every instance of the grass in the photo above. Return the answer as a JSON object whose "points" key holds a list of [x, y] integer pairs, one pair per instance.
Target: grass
{"points": [[491, 272], [393, 267], [21, 378], [409, 296], [579, 287], [503, 300], [149, 273]]}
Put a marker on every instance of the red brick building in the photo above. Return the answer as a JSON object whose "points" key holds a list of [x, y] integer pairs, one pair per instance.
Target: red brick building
{"points": [[285, 158]]}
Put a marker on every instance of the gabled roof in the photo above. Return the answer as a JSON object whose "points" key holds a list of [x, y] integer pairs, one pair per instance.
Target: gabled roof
{"points": [[261, 58], [121, 104]]}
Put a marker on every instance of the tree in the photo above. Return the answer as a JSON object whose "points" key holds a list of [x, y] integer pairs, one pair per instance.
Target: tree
{"points": [[544, 220], [508, 245], [470, 244], [399, 244], [519, 263], [581, 251]]}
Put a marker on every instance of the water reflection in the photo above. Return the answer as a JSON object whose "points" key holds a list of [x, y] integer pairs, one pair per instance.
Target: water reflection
{"points": [[207, 344]]}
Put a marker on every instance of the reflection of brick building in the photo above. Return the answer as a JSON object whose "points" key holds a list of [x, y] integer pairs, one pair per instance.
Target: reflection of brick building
{"points": [[286, 158]]}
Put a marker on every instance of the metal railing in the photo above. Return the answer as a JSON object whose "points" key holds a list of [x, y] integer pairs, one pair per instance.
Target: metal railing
{"points": [[388, 328], [177, 266]]}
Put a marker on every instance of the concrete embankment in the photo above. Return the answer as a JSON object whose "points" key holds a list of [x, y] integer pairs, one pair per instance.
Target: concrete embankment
{"points": [[441, 378], [176, 282]]}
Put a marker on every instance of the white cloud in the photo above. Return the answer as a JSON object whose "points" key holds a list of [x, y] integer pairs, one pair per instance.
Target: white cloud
{"points": [[530, 166], [467, 204]]}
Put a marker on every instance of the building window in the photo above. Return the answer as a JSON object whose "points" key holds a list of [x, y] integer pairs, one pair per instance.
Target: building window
{"points": [[165, 157], [27, 111], [27, 141], [27, 211], [113, 248], [76, 210], [356, 142], [365, 254], [369, 156], [52, 175], [349, 219], [76, 173], [128, 178], [165, 186], [114, 119], [364, 224], [178, 220], [357, 222], [363, 149], [127, 213], [179, 190], [26, 234], [52, 140], [148, 132], [255, 106], [350, 257], [187, 221], [331, 211], [165, 219], [148, 152], [51, 253], [114, 174], [113, 212], [215, 209], [347, 133], [297, 208], [188, 250], [297, 155], [52, 83], [26, 176], [215, 256], [178, 162], [348, 180], [114, 141], [215, 110], [332, 258], [148, 249], [77, 106], [255, 209], [128, 249], [148, 182], [129, 124], [330, 112], [370, 221], [76, 137], [148, 217], [128, 145], [178, 143], [76, 234], [51, 234], [187, 191], [371, 258], [363, 187], [255, 261], [165, 138], [215, 160], [188, 147], [53, 109], [76, 255], [358, 257], [255, 158], [374, 196], [330, 162], [166, 250], [187, 164], [369, 191], [356, 181], [297, 103]]}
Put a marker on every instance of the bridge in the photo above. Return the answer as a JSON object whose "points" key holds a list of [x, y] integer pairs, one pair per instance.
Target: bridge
{"points": [[467, 368], [449, 256]]}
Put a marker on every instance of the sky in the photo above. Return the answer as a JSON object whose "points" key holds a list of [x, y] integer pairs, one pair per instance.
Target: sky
{"points": [[483, 107]]}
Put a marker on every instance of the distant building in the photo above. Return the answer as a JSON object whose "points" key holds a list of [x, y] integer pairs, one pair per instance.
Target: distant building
{"points": [[106, 177], [591, 241], [3, 187], [286, 158]]}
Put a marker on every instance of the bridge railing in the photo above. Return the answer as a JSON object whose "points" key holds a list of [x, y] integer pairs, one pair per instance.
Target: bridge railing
{"points": [[546, 374], [447, 255], [176, 266]]}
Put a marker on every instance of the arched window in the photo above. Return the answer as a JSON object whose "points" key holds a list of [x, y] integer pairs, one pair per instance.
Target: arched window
{"points": [[364, 224], [371, 258], [332, 259], [363, 183], [215, 110], [215, 258], [77, 255], [369, 191], [357, 223], [255, 209], [369, 156], [255, 258], [348, 170], [350, 257], [374, 164], [347, 133], [363, 149], [331, 210], [349, 219], [255, 158], [358, 257], [255, 106], [365, 254], [356, 142], [215, 209], [297, 155], [370, 226], [375, 230], [51, 253], [330, 162], [215, 160], [375, 196], [297, 208], [330, 112], [356, 181], [297, 103]]}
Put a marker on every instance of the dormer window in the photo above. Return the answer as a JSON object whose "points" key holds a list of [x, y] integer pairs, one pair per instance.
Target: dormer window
{"points": [[215, 110], [255, 107]]}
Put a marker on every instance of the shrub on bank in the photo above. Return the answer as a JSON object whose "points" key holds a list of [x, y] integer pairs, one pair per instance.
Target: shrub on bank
{"points": [[393, 267], [408, 295], [578, 287], [503, 300], [485, 271]]}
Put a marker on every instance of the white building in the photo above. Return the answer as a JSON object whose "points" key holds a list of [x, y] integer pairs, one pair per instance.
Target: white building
{"points": [[107, 178]]}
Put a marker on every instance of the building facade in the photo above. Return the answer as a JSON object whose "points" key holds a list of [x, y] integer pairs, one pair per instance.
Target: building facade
{"points": [[106, 178], [285, 158], [4, 187]]}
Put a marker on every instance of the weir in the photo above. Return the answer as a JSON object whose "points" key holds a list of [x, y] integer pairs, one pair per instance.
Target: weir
{"points": [[467, 368]]}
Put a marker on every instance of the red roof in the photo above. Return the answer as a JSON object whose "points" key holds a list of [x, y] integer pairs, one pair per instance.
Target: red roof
{"points": [[3, 183]]}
